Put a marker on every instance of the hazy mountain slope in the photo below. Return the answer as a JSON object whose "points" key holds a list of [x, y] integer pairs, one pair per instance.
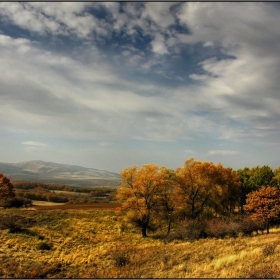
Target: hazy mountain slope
{"points": [[52, 172]]}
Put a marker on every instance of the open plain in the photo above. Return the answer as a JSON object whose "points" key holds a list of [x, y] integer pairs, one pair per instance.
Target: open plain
{"points": [[87, 242]]}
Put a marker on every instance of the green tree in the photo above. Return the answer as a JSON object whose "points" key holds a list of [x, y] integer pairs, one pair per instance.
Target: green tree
{"points": [[253, 179], [276, 178], [264, 205]]}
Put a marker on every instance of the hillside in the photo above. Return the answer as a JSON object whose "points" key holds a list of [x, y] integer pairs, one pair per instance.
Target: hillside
{"points": [[88, 244], [50, 172]]}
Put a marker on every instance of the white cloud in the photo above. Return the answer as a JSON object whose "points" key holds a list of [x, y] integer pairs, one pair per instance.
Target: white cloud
{"points": [[91, 92], [158, 45], [36, 144], [54, 18], [159, 13]]}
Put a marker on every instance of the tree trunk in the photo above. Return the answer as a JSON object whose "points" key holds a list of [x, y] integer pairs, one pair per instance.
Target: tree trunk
{"points": [[267, 228], [169, 227], [144, 230]]}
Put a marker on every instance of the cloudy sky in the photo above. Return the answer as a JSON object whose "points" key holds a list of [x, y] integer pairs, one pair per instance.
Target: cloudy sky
{"points": [[108, 85]]}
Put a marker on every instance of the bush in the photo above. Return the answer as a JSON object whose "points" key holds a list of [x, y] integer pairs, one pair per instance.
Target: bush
{"points": [[44, 246], [188, 230], [264, 272], [219, 228], [15, 223], [121, 255], [16, 202], [121, 259], [269, 249], [248, 226], [216, 228]]}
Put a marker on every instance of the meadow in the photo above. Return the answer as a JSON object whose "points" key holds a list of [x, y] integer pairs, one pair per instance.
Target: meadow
{"points": [[92, 242]]}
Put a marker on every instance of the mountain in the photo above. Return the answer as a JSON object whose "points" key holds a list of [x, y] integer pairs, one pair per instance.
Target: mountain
{"points": [[50, 172]]}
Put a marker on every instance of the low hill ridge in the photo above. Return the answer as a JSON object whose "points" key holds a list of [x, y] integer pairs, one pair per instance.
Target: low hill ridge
{"points": [[38, 170]]}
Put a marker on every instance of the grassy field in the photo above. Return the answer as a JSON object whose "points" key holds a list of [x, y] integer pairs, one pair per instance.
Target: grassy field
{"points": [[91, 243]]}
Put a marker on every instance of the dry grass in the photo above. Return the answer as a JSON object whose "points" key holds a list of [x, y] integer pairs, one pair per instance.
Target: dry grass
{"points": [[89, 244], [45, 203], [63, 206]]}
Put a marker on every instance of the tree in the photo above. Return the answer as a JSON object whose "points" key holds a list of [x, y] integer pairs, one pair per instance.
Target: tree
{"points": [[6, 189], [264, 205], [253, 179], [228, 190], [204, 186], [166, 208], [140, 193], [276, 178]]}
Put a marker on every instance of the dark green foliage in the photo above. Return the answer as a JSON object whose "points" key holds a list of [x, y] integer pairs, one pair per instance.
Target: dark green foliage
{"points": [[253, 179]]}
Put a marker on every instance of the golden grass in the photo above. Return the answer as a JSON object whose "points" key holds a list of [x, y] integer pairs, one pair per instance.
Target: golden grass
{"points": [[88, 244], [45, 203]]}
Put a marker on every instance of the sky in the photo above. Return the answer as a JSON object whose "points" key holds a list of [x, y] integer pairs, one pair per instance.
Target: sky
{"points": [[108, 85]]}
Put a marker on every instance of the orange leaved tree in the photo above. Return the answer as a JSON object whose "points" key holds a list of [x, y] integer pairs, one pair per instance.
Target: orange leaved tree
{"points": [[141, 192], [6, 189], [264, 205], [204, 186]]}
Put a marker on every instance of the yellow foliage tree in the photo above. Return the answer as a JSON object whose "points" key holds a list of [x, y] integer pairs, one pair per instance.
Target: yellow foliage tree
{"points": [[204, 185], [141, 191]]}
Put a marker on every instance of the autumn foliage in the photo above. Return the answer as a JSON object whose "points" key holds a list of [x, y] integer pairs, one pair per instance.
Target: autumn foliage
{"points": [[141, 191], [6, 188], [204, 186], [161, 195], [264, 205]]}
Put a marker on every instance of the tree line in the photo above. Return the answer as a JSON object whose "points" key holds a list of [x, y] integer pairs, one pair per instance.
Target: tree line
{"points": [[19, 193], [198, 191]]}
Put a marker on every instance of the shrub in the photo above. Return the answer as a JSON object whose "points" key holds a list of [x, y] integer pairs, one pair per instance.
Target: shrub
{"points": [[44, 246], [15, 223], [269, 249], [219, 228], [121, 259], [122, 254], [187, 230], [264, 272], [248, 226], [216, 228], [16, 202]]}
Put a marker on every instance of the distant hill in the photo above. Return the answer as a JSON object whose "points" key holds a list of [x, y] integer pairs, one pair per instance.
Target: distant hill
{"points": [[50, 172]]}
